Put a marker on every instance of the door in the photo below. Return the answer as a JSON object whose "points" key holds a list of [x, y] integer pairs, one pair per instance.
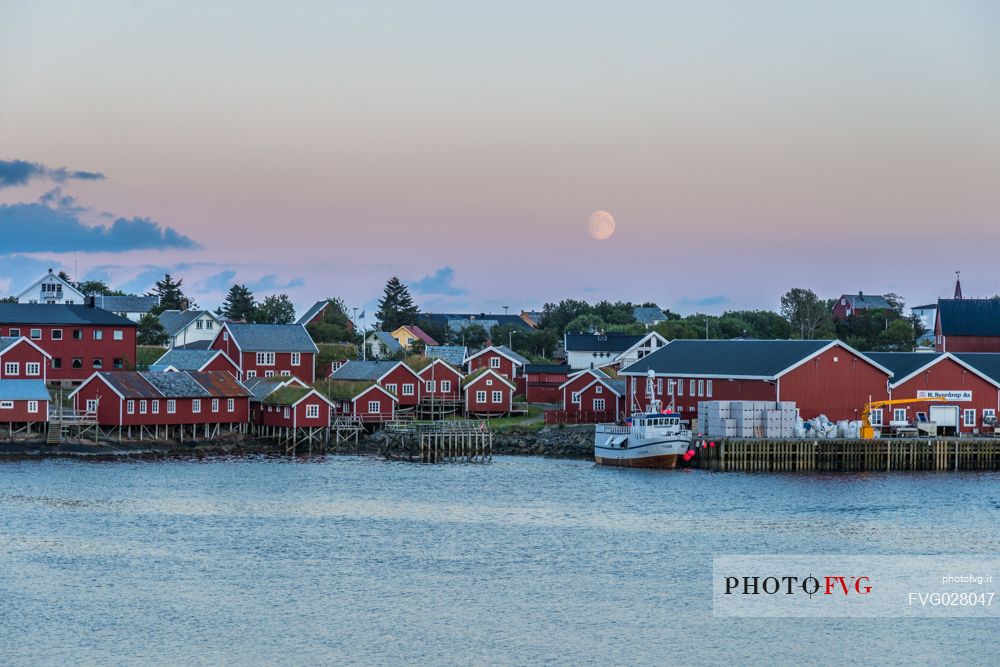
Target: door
{"points": [[945, 416]]}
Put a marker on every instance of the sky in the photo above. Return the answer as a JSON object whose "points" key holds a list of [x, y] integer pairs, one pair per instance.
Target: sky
{"points": [[318, 148]]}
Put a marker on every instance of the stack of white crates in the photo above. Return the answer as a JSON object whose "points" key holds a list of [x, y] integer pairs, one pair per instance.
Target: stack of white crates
{"points": [[747, 419]]}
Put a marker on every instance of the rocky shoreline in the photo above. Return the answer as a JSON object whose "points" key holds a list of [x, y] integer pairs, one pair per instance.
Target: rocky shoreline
{"points": [[569, 442]]}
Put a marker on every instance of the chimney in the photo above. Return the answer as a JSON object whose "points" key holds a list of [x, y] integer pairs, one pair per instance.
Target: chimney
{"points": [[50, 270]]}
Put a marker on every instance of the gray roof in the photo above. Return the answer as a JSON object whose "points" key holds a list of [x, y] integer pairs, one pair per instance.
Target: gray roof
{"points": [[446, 319], [610, 342], [363, 370], [260, 388], [59, 313], [23, 390], [179, 385], [126, 304], [969, 317], [866, 301], [618, 386], [902, 363], [391, 344], [453, 354], [987, 363], [7, 341], [512, 354], [648, 315], [272, 337], [174, 321], [313, 311], [184, 359], [727, 358], [462, 325]]}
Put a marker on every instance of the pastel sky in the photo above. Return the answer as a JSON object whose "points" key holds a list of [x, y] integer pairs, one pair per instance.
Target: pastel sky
{"points": [[317, 148]]}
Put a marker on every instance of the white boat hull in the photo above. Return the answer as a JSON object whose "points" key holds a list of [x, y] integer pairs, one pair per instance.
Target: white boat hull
{"points": [[628, 452]]}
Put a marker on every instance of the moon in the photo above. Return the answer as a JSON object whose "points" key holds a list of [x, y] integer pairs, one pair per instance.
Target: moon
{"points": [[601, 225]]}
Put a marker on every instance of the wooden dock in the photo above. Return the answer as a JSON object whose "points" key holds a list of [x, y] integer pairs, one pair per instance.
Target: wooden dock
{"points": [[443, 441], [836, 455]]}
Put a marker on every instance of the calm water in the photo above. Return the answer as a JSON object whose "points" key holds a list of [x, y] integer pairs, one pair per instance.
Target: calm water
{"points": [[526, 561]]}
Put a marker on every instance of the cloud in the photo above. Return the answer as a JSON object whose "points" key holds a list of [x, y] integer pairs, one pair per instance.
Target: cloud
{"points": [[219, 282], [53, 225], [440, 282], [20, 172], [715, 300], [19, 271], [270, 283]]}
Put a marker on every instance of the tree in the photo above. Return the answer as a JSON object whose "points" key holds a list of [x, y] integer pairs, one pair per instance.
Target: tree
{"points": [[275, 309], [171, 295], [620, 312], [587, 323], [92, 287], [474, 336], [396, 306], [238, 305], [64, 276], [150, 331], [896, 303], [555, 316], [335, 327], [807, 313]]}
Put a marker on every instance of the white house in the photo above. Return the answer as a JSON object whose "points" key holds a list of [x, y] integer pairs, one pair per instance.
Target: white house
{"points": [[50, 288], [195, 328], [603, 349]]}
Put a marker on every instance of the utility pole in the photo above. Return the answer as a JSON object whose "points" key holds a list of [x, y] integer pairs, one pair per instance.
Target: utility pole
{"points": [[505, 309]]}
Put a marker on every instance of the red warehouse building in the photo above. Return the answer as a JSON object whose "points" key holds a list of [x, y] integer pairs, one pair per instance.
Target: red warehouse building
{"points": [[967, 325], [20, 359], [268, 350], [394, 376], [969, 383], [79, 339], [441, 381], [132, 398], [542, 382], [820, 376], [23, 402], [487, 393], [296, 407], [181, 359], [504, 361]]}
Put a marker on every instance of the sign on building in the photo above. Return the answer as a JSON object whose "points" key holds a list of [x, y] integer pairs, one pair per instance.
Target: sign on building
{"points": [[947, 394]]}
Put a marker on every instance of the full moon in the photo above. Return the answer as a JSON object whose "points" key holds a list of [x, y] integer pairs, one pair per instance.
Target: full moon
{"points": [[601, 225]]}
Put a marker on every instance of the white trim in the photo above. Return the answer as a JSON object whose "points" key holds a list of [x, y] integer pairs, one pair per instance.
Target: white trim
{"points": [[640, 342], [100, 377], [27, 340], [498, 351], [603, 384], [490, 371], [938, 358], [438, 360], [374, 386], [592, 371], [310, 393], [391, 370]]}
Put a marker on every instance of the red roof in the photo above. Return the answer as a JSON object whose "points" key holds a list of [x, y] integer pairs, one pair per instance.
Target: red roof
{"points": [[421, 334]]}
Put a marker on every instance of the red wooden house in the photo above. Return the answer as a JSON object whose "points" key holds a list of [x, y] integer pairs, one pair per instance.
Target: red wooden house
{"points": [[22, 359], [368, 402], [820, 376], [851, 304], [542, 382], [394, 376], [79, 339], [131, 398], [296, 407], [487, 393], [441, 381], [576, 382], [181, 359], [268, 350], [23, 402], [599, 400], [503, 360]]}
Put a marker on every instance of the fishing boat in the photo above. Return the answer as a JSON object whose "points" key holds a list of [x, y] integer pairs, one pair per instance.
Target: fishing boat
{"points": [[650, 438]]}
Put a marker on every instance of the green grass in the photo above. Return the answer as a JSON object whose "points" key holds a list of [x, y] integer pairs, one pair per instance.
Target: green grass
{"points": [[533, 421], [146, 355]]}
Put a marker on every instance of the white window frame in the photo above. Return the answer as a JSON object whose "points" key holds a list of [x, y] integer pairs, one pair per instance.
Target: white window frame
{"points": [[497, 397], [35, 334], [296, 358], [392, 389], [494, 362], [230, 405], [171, 406], [6, 405], [91, 405], [143, 407], [659, 386], [32, 368], [196, 405], [98, 334], [287, 413], [671, 387], [708, 389], [215, 405], [701, 388], [989, 412], [599, 389], [966, 413], [251, 374], [680, 387], [130, 407], [269, 373], [265, 358], [480, 397], [575, 398], [11, 368], [599, 405], [118, 335], [374, 407], [154, 406], [53, 336], [899, 414], [429, 385], [445, 386], [312, 411], [408, 389], [33, 407], [15, 332], [875, 418], [691, 388]]}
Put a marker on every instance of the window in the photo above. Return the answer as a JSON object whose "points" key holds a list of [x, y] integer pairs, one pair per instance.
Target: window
{"points": [[373, 406], [286, 373], [446, 386], [392, 388], [875, 418], [899, 415], [171, 406], [56, 334], [130, 407], [15, 333], [251, 374], [155, 406], [195, 405], [98, 362], [480, 397], [11, 368], [265, 358], [32, 368], [408, 389], [989, 415], [968, 417], [198, 325], [225, 335], [208, 324], [118, 334], [494, 362], [498, 397], [118, 363], [701, 387], [269, 374], [98, 334], [312, 412], [57, 362], [659, 386], [6, 405], [296, 358], [215, 405], [598, 405], [35, 334], [32, 406], [691, 388], [430, 386], [576, 397], [599, 389], [287, 412], [77, 334], [91, 405], [230, 405], [670, 387], [142, 407], [708, 388], [77, 362]]}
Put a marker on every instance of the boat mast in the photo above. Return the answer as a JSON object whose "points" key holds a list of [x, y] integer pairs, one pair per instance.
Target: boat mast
{"points": [[652, 401]]}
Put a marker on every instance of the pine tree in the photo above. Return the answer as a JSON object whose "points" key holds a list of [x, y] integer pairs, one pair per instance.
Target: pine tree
{"points": [[275, 309], [150, 331], [239, 305], [171, 295], [396, 307]]}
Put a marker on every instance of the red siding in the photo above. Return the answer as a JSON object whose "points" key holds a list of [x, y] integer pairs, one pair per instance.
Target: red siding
{"points": [[437, 373], [400, 376], [386, 408], [223, 363], [839, 389], [946, 375], [247, 361], [488, 384], [575, 385], [20, 414], [968, 344], [544, 387], [722, 390], [506, 367], [274, 415], [86, 349], [113, 411], [23, 353], [613, 405]]}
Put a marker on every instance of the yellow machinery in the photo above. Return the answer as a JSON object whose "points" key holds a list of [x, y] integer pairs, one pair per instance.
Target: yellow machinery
{"points": [[867, 432]]}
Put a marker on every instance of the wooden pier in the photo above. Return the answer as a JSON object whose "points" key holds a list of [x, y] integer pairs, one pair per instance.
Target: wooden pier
{"points": [[836, 455], [444, 441]]}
